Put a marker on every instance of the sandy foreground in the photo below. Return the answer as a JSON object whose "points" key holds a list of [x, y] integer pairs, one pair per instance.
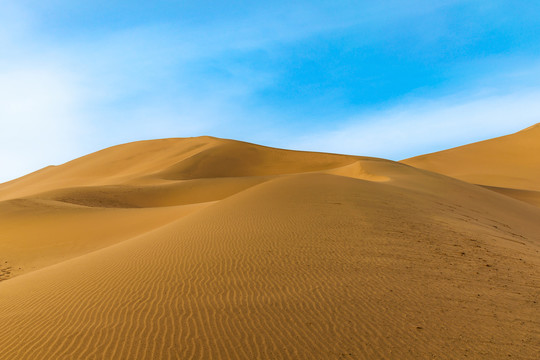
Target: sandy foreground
{"points": [[204, 248]]}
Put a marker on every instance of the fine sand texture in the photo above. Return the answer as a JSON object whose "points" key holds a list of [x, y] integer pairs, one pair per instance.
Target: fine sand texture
{"points": [[204, 248]]}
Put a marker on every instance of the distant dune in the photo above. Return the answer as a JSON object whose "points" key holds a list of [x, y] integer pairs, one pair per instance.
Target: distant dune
{"points": [[508, 164], [205, 248]]}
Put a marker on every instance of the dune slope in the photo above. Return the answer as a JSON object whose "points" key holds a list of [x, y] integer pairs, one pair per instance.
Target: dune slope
{"points": [[309, 256], [126, 190], [506, 164]]}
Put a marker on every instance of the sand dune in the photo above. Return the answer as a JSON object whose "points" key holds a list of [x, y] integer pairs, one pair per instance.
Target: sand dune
{"points": [[206, 248], [528, 196], [510, 162], [37, 233], [162, 162]]}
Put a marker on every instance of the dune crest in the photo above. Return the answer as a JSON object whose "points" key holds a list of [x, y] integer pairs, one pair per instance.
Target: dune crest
{"points": [[509, 162], [357, 171]]}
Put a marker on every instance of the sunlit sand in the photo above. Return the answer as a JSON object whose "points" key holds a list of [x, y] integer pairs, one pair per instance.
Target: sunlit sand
{"points": [[205, 248]]}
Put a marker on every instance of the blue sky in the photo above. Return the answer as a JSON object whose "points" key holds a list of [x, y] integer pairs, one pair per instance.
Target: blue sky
{"points": [[388, 78]]}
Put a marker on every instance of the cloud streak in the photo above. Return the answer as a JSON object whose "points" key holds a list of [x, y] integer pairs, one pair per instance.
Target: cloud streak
{"points": [[422, 126], [241, 72], [37, 108]]}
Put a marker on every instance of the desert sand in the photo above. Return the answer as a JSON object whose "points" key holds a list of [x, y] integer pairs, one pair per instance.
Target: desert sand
{"points": [[508, 164], [205, 248]]}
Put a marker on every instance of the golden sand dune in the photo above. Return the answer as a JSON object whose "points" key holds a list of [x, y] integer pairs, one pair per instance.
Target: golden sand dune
{"points": [[505, 164], [37, 233], [213, 249], [127, 190], [162, 162]]}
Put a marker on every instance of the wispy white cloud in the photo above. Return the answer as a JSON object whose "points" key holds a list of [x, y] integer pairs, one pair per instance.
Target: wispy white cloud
{"points": [[39, 100], [422, 126], [65, 94], [39, 118]]}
